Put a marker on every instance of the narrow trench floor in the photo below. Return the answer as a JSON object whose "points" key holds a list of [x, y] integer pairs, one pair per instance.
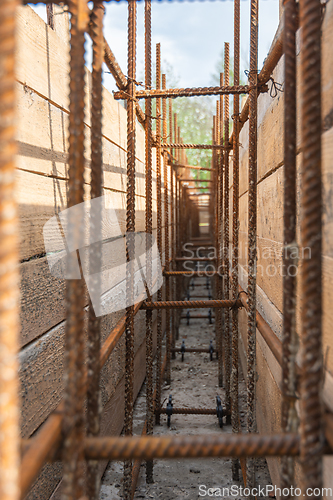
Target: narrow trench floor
{"points": [[194, 384]]}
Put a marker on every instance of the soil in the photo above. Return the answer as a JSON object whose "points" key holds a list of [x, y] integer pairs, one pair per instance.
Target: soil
{"points": [[194, 384]]}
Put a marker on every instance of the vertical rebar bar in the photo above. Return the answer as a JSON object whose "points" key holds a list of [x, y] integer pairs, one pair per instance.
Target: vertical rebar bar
{"points": [[95, 257], [74, 395], [149, 231], [173, 254], [311, 241], [219, 248], [130, 247], [166, 238], [290, 254], [226, 236], [252, 237], [159, 233], [235, 241], [9, 279]]}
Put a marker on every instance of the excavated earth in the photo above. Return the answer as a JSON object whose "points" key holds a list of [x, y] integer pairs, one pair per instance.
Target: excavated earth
{"points": [[194, 384]]}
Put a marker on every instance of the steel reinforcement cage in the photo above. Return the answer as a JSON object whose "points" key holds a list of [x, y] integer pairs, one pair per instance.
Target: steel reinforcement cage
{"points": [[70, 432]]}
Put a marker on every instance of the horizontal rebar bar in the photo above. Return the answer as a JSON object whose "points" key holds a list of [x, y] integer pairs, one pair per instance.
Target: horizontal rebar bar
{"points": [[194, 146], [194, 259], [217, 445], [189, 411], [191, 304], [192, 274], [193, 167], [192, 349], [195, 180], [187, 92]]}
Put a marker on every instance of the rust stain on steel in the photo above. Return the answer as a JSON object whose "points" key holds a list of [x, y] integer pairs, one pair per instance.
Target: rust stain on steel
{"points": [[191, 304], [226, 233], [130, 228], [74, 394], [252, 238], [289, 418], [94, 324], [9, 292], [187, 92], [166, 236], [311, 238], [235, 241], [219, 445], [194, 146], [149, 230], [159, 231]]}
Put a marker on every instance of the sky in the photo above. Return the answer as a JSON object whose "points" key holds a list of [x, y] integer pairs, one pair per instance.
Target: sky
{"points": [[191, 33]]}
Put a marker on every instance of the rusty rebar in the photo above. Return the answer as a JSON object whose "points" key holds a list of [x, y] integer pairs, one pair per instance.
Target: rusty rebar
{"points": [[130, 247], [195, 274], [226, 335], [235, 240], [95, 256], [187, 92], [9, 292], [74, 395], [289, 418], [252, 237], [218, 445], [159, 232], [195, 146], [191, 304], [166, 236], [220, 239], [311, 240], [149, 230], [190, 411]]}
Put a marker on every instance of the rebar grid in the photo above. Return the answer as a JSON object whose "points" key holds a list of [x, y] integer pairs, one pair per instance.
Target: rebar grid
{"points": [[95, 254], [311, 429], [311, 238], [9, 292], [74, 396]]}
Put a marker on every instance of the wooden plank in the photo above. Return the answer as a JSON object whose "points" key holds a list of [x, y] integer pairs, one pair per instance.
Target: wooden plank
{"points": [[41, 371]]}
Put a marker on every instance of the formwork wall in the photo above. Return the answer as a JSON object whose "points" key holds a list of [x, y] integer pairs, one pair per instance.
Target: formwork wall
{"points": [[42, 63], [270, 236]]}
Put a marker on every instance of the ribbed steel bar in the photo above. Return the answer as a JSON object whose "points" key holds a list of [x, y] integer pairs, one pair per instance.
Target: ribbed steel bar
{"points": [[252, 237], [173, 227], [190, 411], [130, 229], [311, 239], [235, 241], [193, 349], [220, 319], [195, 180], [217, 445], [159, 231], [95, 257], [289, 418], [74, 396], [194, 274], [195, 259], [149, 231], [195, 146], [226, 335], [187, 92], [191, 304], [166, 236], [9, 292], [194, 167]]}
